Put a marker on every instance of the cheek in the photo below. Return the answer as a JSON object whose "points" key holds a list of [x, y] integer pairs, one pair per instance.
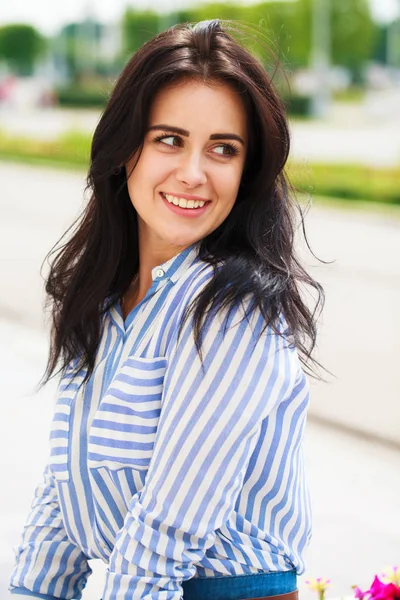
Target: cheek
{"points": [[228, 184], [160, 168], [150, 170]]}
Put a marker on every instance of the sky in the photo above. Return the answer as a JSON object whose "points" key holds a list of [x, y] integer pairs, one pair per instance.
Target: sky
{"points": [[49, 15]]}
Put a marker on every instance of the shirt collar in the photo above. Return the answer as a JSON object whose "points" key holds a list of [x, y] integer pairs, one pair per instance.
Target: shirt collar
{"points": [[177, 265]]}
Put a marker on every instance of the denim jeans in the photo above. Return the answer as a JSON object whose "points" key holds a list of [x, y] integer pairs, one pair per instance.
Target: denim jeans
{"points": [[238, 587]]}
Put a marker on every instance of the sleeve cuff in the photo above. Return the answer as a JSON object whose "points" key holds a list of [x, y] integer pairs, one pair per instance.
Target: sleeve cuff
{"points": [[28, 595]]}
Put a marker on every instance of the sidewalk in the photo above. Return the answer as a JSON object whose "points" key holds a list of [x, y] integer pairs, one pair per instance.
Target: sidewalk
{"points": [[355, 485]]}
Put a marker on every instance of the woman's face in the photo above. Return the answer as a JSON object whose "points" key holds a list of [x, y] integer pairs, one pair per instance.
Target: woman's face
{"points": [[188, 174]]}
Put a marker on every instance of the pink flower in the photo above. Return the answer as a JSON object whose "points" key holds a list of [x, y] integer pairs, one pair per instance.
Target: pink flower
{"points": [[358, 593], [383, 591]]}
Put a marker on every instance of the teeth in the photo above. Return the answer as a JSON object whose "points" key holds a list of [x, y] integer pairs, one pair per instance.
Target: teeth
{"points": [[183, 203]]}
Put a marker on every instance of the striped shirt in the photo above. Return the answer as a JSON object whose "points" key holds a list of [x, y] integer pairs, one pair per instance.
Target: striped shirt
{"points": [[167, 470]]}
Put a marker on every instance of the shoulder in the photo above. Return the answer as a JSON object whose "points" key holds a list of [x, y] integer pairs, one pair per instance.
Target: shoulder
{"points": [[190, 285], [197, 276], [230, 309]]}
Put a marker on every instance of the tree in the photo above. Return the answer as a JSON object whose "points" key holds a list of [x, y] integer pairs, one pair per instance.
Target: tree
{"points": [[274, 29], [137, 28], [271, 29], [216, 10], [78, 44], [354, 35], [20, 47], [286, 29], [290, 25]]}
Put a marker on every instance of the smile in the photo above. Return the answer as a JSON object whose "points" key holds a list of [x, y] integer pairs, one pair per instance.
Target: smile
{"points": [[182, 202], [184, 207]]}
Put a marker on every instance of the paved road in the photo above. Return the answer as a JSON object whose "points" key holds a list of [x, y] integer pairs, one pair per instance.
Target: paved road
{"points": [[355, 483]]}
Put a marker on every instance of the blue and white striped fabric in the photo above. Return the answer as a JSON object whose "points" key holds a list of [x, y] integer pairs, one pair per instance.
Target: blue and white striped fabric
{"points": [[167, 471]]}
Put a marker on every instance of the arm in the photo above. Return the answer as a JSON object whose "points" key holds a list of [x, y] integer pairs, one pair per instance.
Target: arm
{"points": [[26, 595], [48, 565], [205, 437]]}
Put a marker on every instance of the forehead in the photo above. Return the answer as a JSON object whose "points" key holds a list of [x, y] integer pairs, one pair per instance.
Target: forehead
{"points": [[200, 107]]}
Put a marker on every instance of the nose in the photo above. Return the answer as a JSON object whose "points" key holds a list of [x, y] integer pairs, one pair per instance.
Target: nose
{"points": [[190, 171]]}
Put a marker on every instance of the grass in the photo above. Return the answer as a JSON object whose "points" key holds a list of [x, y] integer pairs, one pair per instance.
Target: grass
{"points": [[70, 150], [349, 183], [352, 94]]}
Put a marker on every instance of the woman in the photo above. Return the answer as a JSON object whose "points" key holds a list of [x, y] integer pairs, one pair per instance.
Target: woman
{"points": [[176, 445]]}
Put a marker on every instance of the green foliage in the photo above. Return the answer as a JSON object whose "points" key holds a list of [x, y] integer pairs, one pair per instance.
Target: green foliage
{"points": [[287, 26], [277, 28], [138, 27], [381, 45], [277, 32], [72, 49], [180, 16], [351, 182], [353, 94], [71, 149], [20, 47], [78, 45], [285, 29], [354, 35], [217, 10], [298, 106], [76, 145], [82, 97]]}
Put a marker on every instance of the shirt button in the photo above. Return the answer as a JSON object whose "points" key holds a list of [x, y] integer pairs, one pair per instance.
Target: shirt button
{"points": [[160, 273]]}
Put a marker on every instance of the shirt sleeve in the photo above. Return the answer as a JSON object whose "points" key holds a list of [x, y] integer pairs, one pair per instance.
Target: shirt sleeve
{"points": [[208, 428], [27, 595], [48, 565]]}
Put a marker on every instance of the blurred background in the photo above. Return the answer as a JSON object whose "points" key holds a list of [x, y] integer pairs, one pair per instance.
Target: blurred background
{"points": [[340, 78]]}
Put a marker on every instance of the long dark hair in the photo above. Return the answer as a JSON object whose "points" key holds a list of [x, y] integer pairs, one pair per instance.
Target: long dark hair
{"points": [[255, 242]]}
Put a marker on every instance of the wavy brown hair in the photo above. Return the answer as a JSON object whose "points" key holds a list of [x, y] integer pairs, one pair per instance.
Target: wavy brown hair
{"points": [[94, 268]]}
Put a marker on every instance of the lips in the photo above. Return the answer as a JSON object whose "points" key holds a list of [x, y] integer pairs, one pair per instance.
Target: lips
{"points": [[185, 212], [186, 197]]}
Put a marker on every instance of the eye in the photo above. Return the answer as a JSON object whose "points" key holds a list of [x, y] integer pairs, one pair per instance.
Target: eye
{"points": [[169, 140], [226, 150]]}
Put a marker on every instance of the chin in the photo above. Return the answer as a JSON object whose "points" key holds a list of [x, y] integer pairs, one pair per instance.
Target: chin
{"points": [[183, 242]]}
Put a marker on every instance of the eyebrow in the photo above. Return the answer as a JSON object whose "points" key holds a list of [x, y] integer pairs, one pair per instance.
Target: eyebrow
{"points": [[185, 133]]}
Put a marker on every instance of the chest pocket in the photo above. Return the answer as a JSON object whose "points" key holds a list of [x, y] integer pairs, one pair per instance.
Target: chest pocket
{"points": [[125, 424], [61, 425]]}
